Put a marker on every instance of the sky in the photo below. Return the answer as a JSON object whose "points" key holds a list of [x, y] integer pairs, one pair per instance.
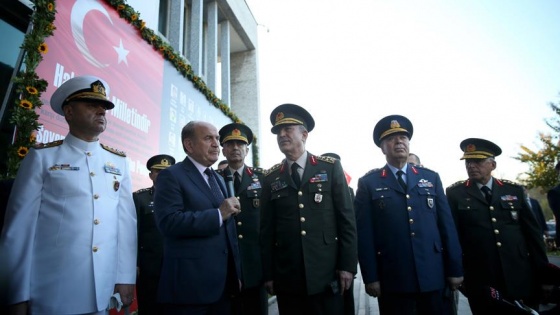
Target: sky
{"points": [[457, 69]]}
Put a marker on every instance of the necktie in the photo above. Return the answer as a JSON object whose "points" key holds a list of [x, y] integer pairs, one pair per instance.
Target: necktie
{"points": [[487, 193], [295, 174], [400, 179], [236, 181], [216, 191]]}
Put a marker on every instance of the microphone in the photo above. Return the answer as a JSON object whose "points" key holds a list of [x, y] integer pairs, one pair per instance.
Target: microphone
{"points": [[229, 182]]}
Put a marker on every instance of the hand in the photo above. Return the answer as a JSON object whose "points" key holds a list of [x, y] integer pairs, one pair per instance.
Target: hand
{"points": [[373, 289], [229, 207], [346, 278], [455, 282], [269, 285], [127, 293]]}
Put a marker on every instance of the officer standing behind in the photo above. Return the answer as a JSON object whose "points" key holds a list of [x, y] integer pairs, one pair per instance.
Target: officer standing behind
{"points": [[308, 231], [69, 239], [150, 241], [553, 198], [235, 139], [407, 242], [502, 245]]}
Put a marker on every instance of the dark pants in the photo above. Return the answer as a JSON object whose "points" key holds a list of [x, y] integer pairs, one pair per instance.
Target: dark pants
{"points": [[317, 304], [348, 298], [251, 301], [146, 291], [421, 303], [222, 307]]}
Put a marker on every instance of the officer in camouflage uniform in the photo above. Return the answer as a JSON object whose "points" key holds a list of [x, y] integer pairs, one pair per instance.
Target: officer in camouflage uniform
{"points": [[150, 242]]}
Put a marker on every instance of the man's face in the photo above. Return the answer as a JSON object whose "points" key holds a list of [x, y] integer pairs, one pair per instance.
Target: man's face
{"points": [[204, 147], [86, 119], [395, 147], [235, 151], [291, 139], [154, 174], [480, 170]]}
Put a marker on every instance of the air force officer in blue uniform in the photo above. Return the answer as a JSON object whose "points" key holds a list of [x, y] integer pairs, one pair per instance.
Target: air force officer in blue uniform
{"points": [[201, 265], [407, 242]]}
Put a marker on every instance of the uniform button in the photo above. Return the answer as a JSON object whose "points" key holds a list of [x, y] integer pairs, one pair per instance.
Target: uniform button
{"points": [[496, 232], [88, 153], [239, 223], [96, 196], [379, 253], [302, 219], [407, 196], [240, 236], [96, 222], [300, 193], [301, 206], [499, 244], [95, 249], [492, 208], [303, 233], [92, 174], [237, 197], [494, 220], [411, 221], [412, 234], [468, 207], [409, 208]]}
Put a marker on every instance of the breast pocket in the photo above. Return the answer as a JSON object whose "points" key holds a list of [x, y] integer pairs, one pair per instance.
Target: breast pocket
{"points": [[428, 195], [113, 185], [67, 183], [320, 195]]}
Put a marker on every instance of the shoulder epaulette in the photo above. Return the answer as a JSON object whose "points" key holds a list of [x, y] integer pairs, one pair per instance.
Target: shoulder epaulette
{"points": [[372, 171], [112, 150], [142, 190], [272, 169], [258, 170], [423, 168], [461, 182], [326, 159], [506, 181], [48, 145]]}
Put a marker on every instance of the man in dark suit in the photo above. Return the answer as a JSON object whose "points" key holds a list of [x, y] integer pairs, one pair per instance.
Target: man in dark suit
{"points": [[235, 139], [150, 241], [308, 231], [502, 245], [407, 242], [536, 208], [553, 197], [201, 265]]}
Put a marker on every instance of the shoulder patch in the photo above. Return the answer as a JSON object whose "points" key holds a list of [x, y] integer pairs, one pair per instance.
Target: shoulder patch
{"points": [[325, 158], [48, 145], [506, 181], [456, 184], [139, 191], [272, 169], [112, 150]]}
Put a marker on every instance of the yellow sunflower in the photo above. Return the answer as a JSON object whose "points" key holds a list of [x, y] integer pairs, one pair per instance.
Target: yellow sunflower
{"points": [[22, 151], [31, 90], [50, 6], [43, 48], [26, 104], [134, 17], [120, 7]]}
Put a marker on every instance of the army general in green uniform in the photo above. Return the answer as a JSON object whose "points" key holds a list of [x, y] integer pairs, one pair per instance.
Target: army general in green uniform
{"points": [[150, 241], [308, 228]]}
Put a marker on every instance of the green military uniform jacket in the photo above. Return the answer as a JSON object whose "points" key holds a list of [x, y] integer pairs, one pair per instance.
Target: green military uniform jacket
{"points": [[308, 233], [501, 242], [150, 241]]}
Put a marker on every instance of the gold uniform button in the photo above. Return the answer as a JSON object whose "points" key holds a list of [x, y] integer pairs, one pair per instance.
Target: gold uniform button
{"points": [[301, 206], [88, 153], [95, 249], [409, 208], [496, 232], [92, 174], [492, 208], [240, 236], [96, 196], [300, 193], [412, 234], [303, 233], [96, 222], [411, 221], [494, 220], [302, 219], [407, 196], [239, 223], [499, 244]]}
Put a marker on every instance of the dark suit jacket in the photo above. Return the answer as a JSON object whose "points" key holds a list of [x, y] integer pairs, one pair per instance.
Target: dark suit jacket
{"points": [[196, 247], [248, 225], [553, 197], [406, 239], [308, 233], [502, 244], [539, 215]]}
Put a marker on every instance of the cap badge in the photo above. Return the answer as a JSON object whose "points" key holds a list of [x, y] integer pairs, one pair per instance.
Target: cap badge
{"points": [[236, 132], [395, 124], [164, 162], [279, 116], [97, 87], [471, 148]]}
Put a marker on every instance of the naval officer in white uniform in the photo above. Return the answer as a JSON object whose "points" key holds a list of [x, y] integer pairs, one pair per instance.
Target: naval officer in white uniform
{"points": [[69, 238]]}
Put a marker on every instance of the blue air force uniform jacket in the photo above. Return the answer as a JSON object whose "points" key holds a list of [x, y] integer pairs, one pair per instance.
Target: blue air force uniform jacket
{"points": [[406, 239], [70, 229]]}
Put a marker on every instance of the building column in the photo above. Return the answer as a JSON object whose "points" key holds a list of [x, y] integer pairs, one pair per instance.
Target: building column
{"points": [[225, 58]]}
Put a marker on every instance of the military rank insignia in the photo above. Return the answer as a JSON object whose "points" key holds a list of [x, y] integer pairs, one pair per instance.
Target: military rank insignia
{"points": [[425, 183], [63, 167], [112, 169], [318, 198], [319, 178], [430, 202], [277, 185]]}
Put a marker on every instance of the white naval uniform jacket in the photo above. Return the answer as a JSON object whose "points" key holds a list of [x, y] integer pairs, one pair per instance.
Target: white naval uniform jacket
{"points": [[70, 229]]}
